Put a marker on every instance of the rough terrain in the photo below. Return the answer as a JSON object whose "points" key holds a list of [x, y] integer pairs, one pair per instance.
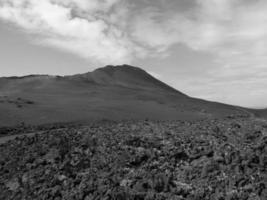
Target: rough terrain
{"points": [[174, 160]]}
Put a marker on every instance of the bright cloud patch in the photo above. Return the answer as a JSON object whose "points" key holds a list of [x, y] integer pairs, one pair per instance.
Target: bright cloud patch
{"points": [[83, 27], [112, 31]]}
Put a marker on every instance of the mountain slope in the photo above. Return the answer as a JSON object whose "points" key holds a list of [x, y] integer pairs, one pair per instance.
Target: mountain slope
{"points": [[124, 75], [112, 92], [259, 113]]}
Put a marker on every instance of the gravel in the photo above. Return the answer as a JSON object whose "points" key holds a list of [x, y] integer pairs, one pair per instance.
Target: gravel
{"points": [[173, 160]]}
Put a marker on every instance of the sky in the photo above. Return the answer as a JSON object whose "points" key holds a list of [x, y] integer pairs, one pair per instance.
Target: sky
{"points": [[211, 49]]}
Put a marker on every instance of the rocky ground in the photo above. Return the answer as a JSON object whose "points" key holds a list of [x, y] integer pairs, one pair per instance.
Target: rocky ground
{"points": [[215, 159], [23, 128], [18, 102]]}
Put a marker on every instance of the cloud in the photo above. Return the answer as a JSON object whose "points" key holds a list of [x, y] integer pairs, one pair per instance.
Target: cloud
{"points": [[83, 27], [117, 31], [211, 25]]}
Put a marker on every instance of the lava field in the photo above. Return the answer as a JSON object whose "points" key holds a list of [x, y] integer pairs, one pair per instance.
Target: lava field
{"points": [[146, 160]]}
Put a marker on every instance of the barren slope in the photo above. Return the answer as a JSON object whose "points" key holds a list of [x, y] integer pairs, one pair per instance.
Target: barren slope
{"points": [[112, 92]]}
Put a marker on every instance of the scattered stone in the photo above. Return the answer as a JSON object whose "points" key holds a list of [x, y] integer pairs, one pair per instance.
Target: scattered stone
{"points": [[208, 159], [13, 185]]}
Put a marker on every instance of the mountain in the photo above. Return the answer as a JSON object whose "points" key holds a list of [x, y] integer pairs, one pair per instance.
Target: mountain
{"points": [[125, 76], [111, 92]]}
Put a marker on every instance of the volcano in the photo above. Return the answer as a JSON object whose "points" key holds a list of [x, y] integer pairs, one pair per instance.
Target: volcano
{"points": [[112, 92]]}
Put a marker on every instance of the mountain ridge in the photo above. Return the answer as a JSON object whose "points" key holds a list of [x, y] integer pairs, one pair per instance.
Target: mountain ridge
{"points": [[121, 75], [111, 92]]}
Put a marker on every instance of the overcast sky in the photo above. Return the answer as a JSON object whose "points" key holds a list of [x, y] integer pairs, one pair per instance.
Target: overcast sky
{"points": [[212, 49]]}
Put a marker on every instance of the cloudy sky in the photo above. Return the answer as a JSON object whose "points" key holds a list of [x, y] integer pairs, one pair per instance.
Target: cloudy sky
{"points": [[212, 49]]}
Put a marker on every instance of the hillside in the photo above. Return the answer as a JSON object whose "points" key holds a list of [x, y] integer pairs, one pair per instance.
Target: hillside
{"points": [[259, 113], [112, 92]]}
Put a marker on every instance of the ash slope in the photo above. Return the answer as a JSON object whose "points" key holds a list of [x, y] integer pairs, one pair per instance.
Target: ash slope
{"points": [[112, 92]]}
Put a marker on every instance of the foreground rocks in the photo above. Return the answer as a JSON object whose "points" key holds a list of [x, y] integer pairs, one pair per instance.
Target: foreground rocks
{"points": [[217, 160]]}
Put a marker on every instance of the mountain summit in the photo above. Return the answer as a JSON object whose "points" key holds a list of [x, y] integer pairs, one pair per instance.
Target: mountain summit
{"points": [[112, 92], [123, 75]]}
